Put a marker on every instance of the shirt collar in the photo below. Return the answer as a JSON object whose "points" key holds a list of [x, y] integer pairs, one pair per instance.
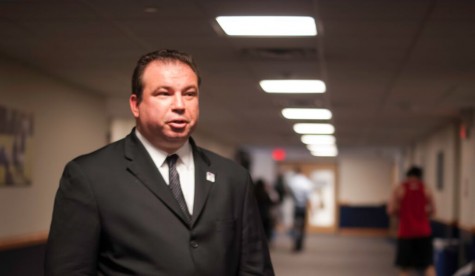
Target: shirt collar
{"points": [[184, 153]]}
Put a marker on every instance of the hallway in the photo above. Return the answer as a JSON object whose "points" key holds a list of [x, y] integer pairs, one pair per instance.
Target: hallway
{"points": [[334, 255]]}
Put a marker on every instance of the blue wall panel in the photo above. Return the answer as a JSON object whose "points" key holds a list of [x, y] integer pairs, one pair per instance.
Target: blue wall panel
{"points": [[363, 216]]}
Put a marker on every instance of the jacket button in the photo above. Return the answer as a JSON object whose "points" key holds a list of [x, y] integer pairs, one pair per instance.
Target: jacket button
{"points": [[194, 244]]}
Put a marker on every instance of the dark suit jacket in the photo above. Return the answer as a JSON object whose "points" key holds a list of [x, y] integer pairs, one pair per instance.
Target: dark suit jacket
{"points": [[115, 215]]}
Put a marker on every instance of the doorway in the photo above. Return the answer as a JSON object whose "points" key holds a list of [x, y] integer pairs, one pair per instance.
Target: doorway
{"points": [[322, 207]]}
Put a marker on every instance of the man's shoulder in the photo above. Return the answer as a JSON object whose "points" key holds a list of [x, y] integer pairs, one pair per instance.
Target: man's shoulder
{"points": [[101, 154]]}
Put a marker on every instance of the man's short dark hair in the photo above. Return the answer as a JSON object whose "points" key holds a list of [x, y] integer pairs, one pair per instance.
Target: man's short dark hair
{"points": [[164, 55], [415, 171]]}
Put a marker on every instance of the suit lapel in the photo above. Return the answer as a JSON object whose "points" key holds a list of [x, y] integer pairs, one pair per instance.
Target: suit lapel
{"points": [[203, 182], [141, 165]]}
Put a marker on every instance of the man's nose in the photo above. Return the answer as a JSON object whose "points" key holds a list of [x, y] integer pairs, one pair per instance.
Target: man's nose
{"points": [[178, 101]]}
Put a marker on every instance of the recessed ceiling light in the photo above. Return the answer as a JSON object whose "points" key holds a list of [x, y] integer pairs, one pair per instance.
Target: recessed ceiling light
{"points": [[325, 152], [150, 10], [293, 86], [321, 148], [303, 128], [307, 113], [268, 25], [318, 139]]}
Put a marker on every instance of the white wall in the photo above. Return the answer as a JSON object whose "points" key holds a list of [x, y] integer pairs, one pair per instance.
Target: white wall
{"points": [[119, 128], [263, 166], [365, 177], [467, 183], [424, 154], [466, 192], [67, 122]]}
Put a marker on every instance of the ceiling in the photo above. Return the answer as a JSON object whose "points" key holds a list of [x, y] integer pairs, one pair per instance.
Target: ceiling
{"points": [[395, 70]]}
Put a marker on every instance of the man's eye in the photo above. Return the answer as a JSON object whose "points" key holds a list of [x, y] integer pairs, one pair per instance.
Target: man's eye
{"points": [[191, 94], [162, 93]]}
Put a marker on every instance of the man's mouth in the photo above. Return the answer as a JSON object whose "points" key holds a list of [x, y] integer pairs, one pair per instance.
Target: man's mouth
{"points": [[177, 123]]}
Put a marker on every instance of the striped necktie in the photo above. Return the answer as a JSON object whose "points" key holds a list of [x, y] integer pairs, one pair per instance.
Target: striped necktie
{"points": [[174, 184]]}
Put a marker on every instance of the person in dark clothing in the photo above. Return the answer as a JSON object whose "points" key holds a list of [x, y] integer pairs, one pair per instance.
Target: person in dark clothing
{"points": [[264, 204], [412, 202], [280, 188], [154, 202]]}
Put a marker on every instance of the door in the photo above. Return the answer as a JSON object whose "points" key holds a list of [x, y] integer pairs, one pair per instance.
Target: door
{"points": [[321, 210]]}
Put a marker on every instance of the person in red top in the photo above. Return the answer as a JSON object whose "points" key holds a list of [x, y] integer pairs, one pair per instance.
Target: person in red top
{"points": [[412, 202]]}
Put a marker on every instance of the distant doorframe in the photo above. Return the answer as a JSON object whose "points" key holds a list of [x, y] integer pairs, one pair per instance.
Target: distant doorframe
{"points": [[323, 207]]}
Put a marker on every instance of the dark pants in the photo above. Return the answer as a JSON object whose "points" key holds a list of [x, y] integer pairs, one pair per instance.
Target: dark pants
{"points": [[414, 252], [300, 214]]}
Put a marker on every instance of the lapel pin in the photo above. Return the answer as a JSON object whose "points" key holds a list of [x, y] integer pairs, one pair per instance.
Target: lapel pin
{"points": [[210, 176]]}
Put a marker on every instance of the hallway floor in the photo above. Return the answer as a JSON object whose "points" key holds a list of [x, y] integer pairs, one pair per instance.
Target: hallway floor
{"points": [[334, 255]]}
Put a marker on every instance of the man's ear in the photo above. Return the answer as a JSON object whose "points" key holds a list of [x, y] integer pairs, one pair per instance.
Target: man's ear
{"points": [[134, 105]]}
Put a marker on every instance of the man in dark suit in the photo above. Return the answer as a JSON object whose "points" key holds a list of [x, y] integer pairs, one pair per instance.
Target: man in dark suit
{"points": [[118, 210]]}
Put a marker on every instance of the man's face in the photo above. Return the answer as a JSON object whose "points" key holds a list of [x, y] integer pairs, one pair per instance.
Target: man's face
{"points": [[169, 109]]}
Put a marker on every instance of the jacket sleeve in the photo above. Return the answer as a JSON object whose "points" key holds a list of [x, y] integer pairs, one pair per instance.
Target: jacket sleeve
{"points": [[255, 257], [73, 242]]}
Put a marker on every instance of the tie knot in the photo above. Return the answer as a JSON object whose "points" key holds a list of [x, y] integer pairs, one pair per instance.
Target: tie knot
{"points": [[171, 160]]}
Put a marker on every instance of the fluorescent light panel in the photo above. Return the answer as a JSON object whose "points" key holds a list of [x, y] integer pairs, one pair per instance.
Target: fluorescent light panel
{"points": [[307, 113], [322, 148], [268, 25], [318, 139], [293, 86], [322, 153], [303, 128]]}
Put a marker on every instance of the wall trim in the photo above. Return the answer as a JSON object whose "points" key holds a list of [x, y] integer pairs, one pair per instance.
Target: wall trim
{"points": [[23, 241], [364, 232], [466, 228], [453, 223], [358, 204]]}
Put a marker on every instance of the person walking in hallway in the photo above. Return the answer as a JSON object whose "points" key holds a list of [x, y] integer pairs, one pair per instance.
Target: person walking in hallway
{"points": [[300, 188], [266, 199], [412, 202], [154, 203]]}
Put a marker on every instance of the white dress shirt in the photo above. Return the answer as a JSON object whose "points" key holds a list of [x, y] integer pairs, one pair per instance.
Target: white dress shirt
{"points": [[185, 166], [301, 188]]}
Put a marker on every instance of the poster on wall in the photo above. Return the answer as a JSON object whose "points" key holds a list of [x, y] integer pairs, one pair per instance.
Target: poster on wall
{"points": [[16, 135]]}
